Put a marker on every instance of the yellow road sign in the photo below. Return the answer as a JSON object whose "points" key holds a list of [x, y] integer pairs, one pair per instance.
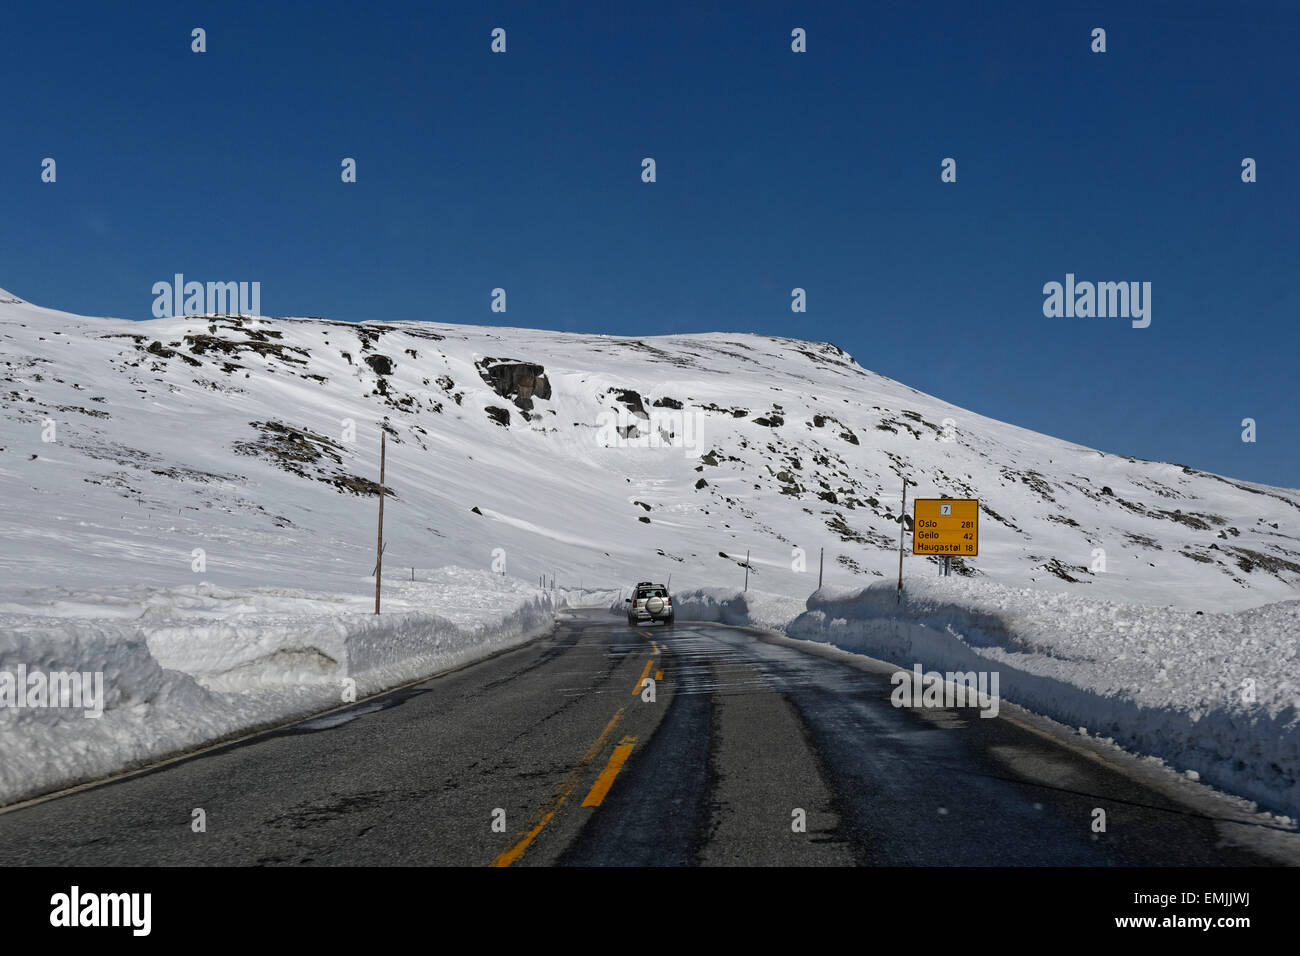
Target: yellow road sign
{"points": [[946, 526]]}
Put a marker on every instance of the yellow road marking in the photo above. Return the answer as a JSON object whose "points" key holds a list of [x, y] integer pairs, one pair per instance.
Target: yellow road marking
{"points": [[637, 689], [655, 646], [606, 778], [659, 675], [570, 782]]}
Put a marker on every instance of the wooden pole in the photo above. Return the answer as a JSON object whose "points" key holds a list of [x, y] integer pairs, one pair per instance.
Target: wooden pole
{"points": [[746, 569], [821, 564], [379, 546], [901, 525]]}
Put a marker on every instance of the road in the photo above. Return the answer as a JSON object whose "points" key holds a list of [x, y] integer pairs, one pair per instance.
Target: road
{"points": [[551, 754]]}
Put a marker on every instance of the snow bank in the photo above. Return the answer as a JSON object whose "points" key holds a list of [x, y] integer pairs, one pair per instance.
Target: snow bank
{"points": [[591, 597], [147, 710], [1217, 694], [738, 608], [187, 666]]}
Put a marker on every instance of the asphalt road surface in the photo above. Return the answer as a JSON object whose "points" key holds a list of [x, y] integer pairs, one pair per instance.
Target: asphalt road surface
{"points": [[755, 750]]}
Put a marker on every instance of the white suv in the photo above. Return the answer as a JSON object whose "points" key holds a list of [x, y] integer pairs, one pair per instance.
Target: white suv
{"points": [[649, 602]]}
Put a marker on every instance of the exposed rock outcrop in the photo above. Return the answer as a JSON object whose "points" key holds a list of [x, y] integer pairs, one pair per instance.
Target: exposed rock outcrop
{"points": [[519, 382]]}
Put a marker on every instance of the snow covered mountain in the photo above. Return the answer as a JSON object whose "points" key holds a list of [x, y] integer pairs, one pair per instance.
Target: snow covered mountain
{"points": [[192, 502], [127, 445]]}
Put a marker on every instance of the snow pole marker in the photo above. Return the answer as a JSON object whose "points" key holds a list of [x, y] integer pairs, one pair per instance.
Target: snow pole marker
{"points": [[379, 544]]}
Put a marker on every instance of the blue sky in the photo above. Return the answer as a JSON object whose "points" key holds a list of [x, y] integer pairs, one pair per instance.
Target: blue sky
{"points": [[775, 170]]}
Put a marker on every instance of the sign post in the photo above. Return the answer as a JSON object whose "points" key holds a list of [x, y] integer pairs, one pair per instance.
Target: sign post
{"points": [[901, 526], [379, 545]]}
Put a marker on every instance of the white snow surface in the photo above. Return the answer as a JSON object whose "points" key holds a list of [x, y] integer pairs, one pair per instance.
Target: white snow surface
{"points": [[191, 508]]}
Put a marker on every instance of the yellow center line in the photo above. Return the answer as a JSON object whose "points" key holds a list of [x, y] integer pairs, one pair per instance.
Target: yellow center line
{"points": [[606, 778], [570, 782], [640, 680], [659, 675], [655, 646]]}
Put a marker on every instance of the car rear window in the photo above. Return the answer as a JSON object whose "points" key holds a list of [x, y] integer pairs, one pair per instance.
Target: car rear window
{"points": [[651, 592]]}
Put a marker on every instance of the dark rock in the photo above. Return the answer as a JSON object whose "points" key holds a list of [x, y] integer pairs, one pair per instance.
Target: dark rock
{"points": [[631, 400], [520, 382]]}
